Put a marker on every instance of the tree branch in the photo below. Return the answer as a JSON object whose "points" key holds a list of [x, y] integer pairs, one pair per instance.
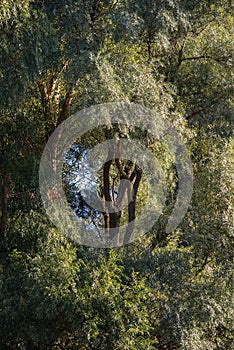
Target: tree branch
{"points": [[190, 116]]}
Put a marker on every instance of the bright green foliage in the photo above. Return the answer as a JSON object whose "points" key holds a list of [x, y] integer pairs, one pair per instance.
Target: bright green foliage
{"points": [[166, 291]]}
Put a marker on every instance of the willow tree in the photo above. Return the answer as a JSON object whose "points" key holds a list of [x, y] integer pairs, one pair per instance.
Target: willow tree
{"points": [[165, 291]]}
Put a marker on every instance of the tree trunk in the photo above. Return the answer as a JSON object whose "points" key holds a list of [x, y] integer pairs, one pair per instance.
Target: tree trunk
{"points": [[132, 205]]}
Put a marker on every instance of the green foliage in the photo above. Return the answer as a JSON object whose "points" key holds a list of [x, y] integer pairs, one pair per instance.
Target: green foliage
{"points": [[28, 47], [166, 291]]}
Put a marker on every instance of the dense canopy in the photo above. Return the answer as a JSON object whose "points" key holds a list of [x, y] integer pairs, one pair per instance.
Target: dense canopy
{"points": [[164, 291]]}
